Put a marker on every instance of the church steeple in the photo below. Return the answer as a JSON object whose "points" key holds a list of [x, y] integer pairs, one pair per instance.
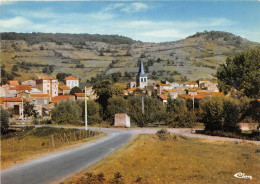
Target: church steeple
{"points": [[141, 70], [142, 77]]}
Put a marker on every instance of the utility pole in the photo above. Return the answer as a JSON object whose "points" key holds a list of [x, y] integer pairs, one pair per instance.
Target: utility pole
{"points": [[193, 101], [142, 104], [86, 110], [22, 108]]}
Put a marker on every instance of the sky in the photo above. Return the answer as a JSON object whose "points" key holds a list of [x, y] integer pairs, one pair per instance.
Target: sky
{"points": [[148, 21]]}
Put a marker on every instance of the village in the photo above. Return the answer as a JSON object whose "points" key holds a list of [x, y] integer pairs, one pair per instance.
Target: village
{"points": [[45, 92]]}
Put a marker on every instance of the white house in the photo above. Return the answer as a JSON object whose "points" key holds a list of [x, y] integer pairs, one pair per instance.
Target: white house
{"points": [[71, 82]]}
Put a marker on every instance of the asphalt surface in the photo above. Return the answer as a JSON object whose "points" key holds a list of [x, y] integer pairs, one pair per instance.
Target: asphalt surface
{"points": [[59, 165]]}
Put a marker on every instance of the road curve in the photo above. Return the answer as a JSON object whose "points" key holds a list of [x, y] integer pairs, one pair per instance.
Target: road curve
{"points": [[59, 165]]}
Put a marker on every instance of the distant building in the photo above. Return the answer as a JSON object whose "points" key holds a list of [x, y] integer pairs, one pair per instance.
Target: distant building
{"points": [[13, 83], [163, 98], [122, 120], [43, 99], [71, 82], [64, 90], [48, 85], [142, 77], [29, 83]]}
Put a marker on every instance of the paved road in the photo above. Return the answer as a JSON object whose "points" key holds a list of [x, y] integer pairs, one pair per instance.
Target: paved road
{"points": [[65, 163]]}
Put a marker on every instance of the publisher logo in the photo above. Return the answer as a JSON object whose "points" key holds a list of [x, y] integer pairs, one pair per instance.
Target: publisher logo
{"points": [[243, 176]]}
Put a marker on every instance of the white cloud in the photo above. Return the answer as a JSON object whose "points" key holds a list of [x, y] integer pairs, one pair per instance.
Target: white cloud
{"points": [[6, 2], [135, 7]]}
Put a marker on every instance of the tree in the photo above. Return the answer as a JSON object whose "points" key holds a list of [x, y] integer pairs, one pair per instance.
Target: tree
{"points": [[93, 110], [105, 90], [29, 110], [75, 89], [15, 68], [4, 121], [153, 110], [241, 73], [116, 76], [67, 112], [61, 76], [231, 115], [116, 104], [212, 114]]}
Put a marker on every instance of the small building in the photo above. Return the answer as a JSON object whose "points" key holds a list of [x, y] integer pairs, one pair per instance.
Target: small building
{"points": [[42, 99], [64, 90], [13, 83], [122, 120], [132, 84], [71, 82], [163, 98], [81, 96], [29, 83]]}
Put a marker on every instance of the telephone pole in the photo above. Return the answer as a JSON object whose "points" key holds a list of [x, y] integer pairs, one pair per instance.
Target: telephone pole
{"points": [[86, 110]]}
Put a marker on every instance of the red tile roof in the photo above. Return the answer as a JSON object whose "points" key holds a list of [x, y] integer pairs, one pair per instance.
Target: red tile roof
{"points": [[80, 94], [163, 97], [14, 99], [48, 78], [191, 83], [21, 87], [61, 98], [71, 78], [63, 87], [200, 95], [13, 83], [39, 95]]}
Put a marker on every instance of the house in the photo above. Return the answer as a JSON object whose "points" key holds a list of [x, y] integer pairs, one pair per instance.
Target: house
{"points": [[71, 82], [191, 84], [173, 93], [48, 85], [132, 84], [42, 99], [19, 89], [163, 98], [14, 103], [29, 83], [64, 90], [2, 91], [122, 120], [13, 83], [212, 87], [203, 83], [142, 77], [81, 96], [161, 87]]}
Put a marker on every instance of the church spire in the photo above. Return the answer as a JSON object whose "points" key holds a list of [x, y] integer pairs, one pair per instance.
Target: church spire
{"points": [[141, 70]]}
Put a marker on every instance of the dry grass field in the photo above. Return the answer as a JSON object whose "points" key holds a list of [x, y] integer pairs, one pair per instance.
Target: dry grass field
{"points": [[147, 159], [31, 143]]}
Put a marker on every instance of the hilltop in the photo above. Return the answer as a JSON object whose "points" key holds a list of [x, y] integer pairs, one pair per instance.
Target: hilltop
{"points": [[85, 55]]}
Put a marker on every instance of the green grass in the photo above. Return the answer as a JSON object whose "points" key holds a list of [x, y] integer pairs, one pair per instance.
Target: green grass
{"points": [[147, 159]]}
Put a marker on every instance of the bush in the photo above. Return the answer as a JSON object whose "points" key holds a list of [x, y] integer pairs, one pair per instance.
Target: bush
{"points": [[75, 90], [67, 112], [163, 134], [4, 121], [212, 111]]}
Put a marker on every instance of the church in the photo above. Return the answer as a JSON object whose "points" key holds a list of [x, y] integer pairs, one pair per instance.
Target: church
{"points": [[141, 77]]}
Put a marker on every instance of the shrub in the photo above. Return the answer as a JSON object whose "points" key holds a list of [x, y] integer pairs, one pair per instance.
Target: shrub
{"points": [[118, 179], [4, 121], [212, 113], [163, 134], [67, 112]]}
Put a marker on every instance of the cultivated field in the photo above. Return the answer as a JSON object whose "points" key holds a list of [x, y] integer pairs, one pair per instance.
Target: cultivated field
{"points": [[147, 159]]}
